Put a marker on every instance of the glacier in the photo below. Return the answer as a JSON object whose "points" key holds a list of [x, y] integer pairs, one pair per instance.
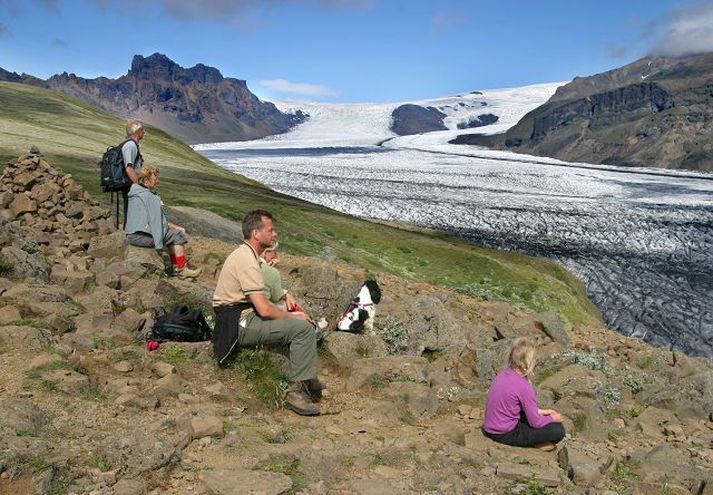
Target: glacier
{"points": [[641, 240]]}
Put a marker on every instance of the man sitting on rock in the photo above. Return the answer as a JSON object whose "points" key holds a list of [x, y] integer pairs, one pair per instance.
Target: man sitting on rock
{"points": [[246, 317]]}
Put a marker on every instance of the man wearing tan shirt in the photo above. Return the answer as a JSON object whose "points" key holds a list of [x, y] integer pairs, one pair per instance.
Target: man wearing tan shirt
{"points": [[245, 317]]}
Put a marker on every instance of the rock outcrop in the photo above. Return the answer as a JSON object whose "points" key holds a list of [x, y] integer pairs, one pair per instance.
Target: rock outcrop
{"points": [[194, 104], [415, 119], [651, 113]]}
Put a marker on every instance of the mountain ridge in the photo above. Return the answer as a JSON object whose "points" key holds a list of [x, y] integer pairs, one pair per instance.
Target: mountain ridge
{"points": [[196, 104], [652, 112]]}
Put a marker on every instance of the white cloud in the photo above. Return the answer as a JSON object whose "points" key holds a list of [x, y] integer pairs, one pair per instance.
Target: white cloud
{"points": [[289, 87], [232, 11], [689, 30]]}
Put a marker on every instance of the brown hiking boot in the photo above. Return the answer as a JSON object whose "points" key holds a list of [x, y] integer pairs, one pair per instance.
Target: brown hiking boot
{"points": [[185, 272], [546, 446], [298, 400]]}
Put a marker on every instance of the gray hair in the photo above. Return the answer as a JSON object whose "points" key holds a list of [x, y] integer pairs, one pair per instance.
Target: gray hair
{"points": [[132, 127]]}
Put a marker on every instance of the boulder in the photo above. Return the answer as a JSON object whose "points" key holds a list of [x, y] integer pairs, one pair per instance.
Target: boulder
{"points": [[574, 381], [419, 400], [217, 390], [430, 325], [170, 386], [109, 246], [124, 367], [585, 468], [161, 369], [489, 361], [386, 368], [584, 417], [130, 449], [126, 271], [650, 422], [666, 461], [209, 426], [129, 322], [26, 337], [346, 347], [324, 291], [76, 282], [22, 204], [27, 265], [552, 326], [148, 258]]}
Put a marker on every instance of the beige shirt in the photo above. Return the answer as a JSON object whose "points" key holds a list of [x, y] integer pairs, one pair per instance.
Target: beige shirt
{"points": [[239, 277]]}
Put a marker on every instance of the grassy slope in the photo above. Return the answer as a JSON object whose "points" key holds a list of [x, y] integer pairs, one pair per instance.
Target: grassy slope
{"points": [[73, 135]]}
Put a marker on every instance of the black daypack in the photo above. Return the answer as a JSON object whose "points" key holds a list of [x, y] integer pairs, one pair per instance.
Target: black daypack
{"points": [[181, 324], [113, 172]]}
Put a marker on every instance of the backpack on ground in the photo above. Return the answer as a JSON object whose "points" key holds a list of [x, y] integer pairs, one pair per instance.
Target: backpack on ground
{"points": [[113, 172], [181, 324]]}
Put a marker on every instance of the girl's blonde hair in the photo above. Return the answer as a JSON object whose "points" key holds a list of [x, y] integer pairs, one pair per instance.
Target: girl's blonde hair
{"points": [[522, 355], [273, 246], [147, 171]]}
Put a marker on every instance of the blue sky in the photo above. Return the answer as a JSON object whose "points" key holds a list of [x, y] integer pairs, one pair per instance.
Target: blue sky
{"points": [[353, 50]]}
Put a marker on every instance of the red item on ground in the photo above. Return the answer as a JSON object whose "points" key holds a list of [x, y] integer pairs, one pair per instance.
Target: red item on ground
{"points": [[296, 308], [152, 345]]}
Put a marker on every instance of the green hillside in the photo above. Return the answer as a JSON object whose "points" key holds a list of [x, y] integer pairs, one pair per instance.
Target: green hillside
{"points": [[72, 135]]}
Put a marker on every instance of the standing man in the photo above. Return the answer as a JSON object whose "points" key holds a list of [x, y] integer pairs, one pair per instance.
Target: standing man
{"points": [[245, 316], [132, 158]]}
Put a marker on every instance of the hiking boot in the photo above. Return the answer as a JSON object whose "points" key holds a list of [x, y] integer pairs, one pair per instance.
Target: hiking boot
{"points": [[545, 446], [185, 272], [299, 401], [314, 388], [314, 385]]}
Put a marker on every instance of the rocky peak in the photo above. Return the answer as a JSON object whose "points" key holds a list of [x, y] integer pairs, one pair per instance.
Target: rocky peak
{"points": [[160, 67]]}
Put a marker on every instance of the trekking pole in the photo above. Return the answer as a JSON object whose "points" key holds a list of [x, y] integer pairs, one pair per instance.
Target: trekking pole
{"points": [[117, 209]]}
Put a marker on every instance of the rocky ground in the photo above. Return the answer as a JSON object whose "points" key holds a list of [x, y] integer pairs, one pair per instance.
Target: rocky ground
{"points": [[86, 409]]}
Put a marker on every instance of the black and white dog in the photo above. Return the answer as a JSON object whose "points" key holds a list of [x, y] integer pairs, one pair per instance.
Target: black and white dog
{"points": [[359, 317]]}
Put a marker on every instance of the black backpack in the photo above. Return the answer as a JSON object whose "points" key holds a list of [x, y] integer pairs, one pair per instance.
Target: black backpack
{"points": [[181, 324], [113, 172]]}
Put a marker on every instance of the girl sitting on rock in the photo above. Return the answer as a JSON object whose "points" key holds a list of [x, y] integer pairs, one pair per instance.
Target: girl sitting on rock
{"points": [[146, 224], [511, 413]]}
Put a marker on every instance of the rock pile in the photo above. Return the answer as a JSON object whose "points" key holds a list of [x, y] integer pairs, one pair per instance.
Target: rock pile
{"points": [[33, 193]]}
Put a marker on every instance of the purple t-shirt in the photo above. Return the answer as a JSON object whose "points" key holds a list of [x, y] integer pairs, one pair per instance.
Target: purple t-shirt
{"points": [[509, 394]]}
